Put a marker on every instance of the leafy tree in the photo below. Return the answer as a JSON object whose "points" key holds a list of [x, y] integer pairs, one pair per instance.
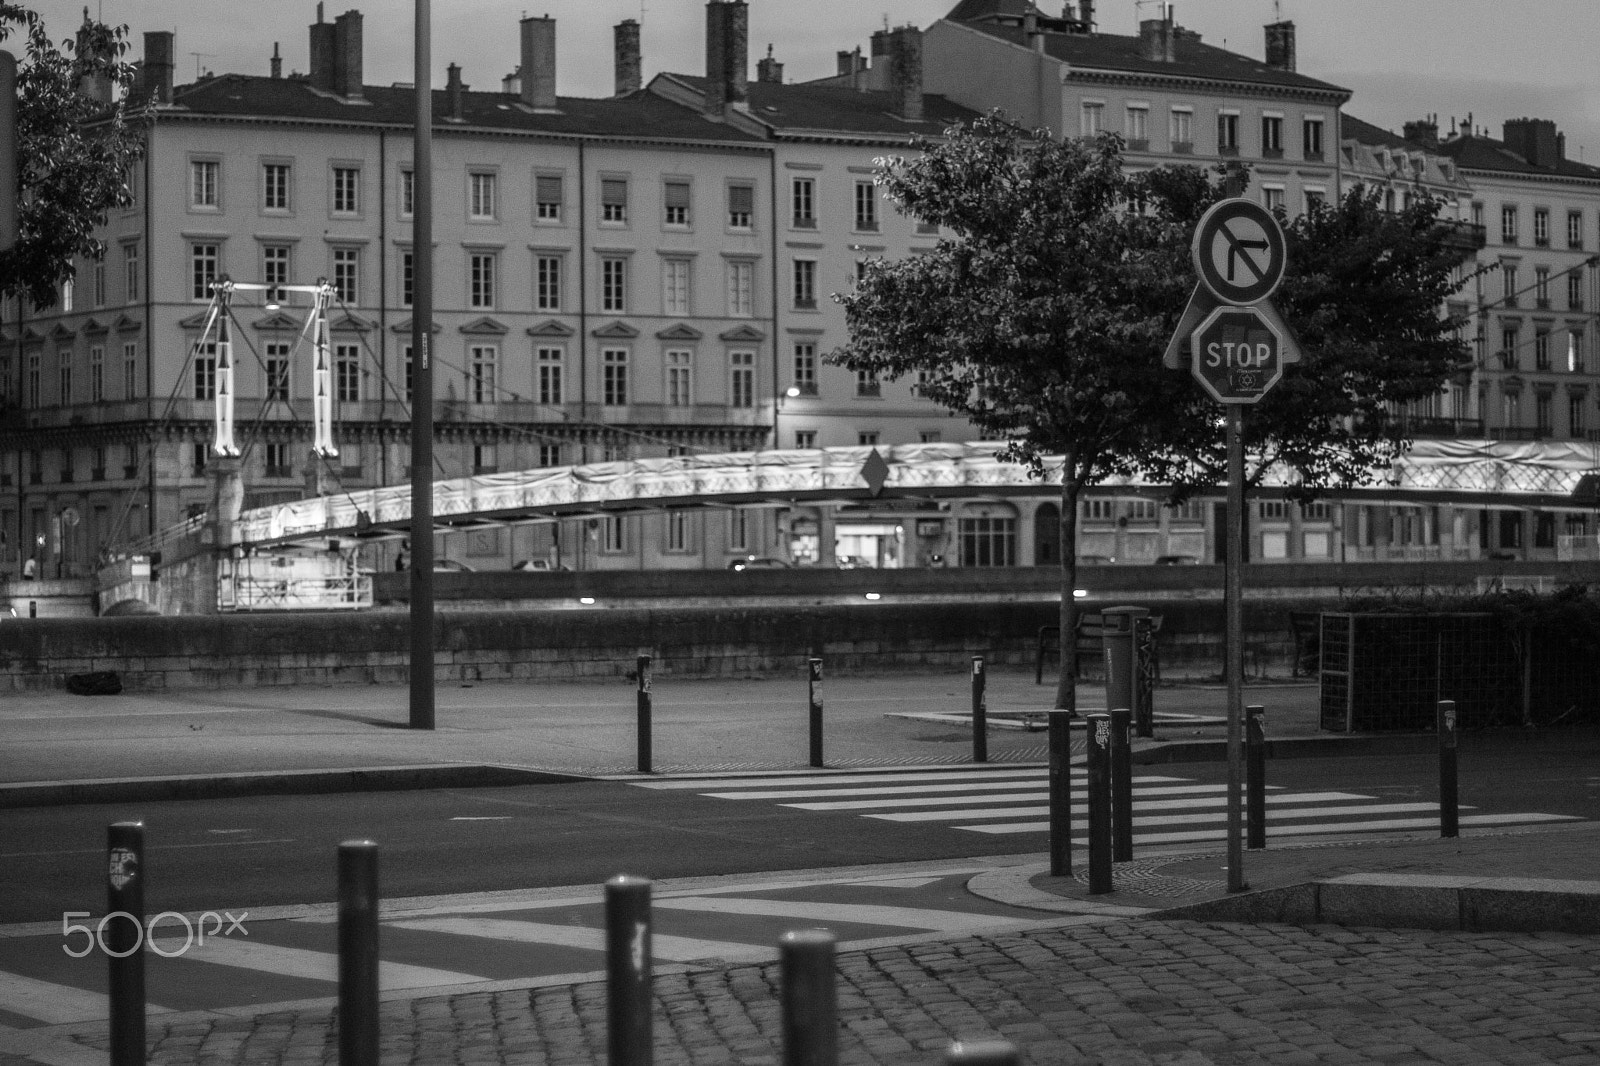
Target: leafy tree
{"points": [[1043, 317], [73, 152], [1363, 292]]}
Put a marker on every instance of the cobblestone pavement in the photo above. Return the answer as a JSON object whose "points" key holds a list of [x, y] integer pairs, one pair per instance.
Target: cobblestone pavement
{"points": [[1122, 993]]}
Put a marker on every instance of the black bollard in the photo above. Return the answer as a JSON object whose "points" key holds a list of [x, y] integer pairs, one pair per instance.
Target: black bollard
{"points": [[642, 727], [810, 1004], [980, 713], [358, 953], [1144, 685], [982, 1053], [1255, 776], [33, 608], [122, 939], [814, 704], [1121, 785], [1061, 793], [1449, 811], [629, 969], [1099, 804]]}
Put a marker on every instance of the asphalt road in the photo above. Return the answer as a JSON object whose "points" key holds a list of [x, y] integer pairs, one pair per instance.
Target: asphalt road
{"points": [[253, 852]]}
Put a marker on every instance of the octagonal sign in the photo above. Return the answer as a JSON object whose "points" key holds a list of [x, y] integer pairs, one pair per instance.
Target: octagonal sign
{"points": [[1237, 355]]}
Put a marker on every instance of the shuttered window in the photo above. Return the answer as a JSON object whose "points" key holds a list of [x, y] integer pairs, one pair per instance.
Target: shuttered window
{"points": [[741, 205], [614, 200]]}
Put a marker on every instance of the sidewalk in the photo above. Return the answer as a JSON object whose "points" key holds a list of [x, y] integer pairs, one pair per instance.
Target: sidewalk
{"points": [[1169, 969], [65, 748]]}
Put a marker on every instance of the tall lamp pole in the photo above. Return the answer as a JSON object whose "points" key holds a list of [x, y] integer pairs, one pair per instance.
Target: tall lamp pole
{"points": [[422, 385]]}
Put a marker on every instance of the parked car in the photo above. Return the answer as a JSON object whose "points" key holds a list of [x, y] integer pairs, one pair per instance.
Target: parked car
{"points": [[754, 563], [1176, 560], [851, 562], [451, 566], [536, 564]]}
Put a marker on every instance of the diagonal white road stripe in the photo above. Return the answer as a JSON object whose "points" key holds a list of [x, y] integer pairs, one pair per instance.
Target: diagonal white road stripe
{"points": [[670, 948], [832, 779], [1384, 824], [863, 913], [1153, 805], [55, 1004], [303, 962]]}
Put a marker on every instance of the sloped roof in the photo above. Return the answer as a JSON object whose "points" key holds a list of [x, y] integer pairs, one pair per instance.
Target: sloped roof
{"points": [[810, 107], [1191, 58], [637, 115], [1366, 133], [1485, 153]]}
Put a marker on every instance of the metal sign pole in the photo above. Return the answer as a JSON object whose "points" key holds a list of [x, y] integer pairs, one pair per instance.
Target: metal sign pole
{"points": [[1233, 666], [421, 661]]}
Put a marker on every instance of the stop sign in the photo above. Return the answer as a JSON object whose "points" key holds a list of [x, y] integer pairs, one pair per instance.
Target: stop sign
{"points": [[1237, 354]]}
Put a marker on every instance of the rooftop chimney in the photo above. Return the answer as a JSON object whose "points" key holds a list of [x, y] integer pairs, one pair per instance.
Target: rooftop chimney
{"points": [[1534, 139], [95, 85], [1156, 39], [155, 75], [629, 75], [847, 63], [454, 90], [322, 53], [539, 63], [769, 70], [1424, 131], [277, 61], [347, 55], [1086, 15], [905, 72], [880, 44], [727, 59], [1280, 45]]}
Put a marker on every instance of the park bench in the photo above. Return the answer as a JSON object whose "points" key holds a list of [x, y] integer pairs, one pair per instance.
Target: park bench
{"points": [[1089, 639]]}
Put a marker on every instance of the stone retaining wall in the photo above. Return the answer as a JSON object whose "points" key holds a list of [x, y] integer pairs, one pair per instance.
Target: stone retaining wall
{"points": [[245, 650]]}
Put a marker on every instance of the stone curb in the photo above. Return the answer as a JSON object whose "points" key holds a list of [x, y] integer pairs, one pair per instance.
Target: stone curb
{"points": [[275, 783], [1415, 901]]}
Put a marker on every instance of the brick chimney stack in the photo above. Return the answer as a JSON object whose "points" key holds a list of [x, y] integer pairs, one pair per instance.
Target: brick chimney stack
{"points": [[727, 56], [1280, 45], [454, 91], [1157, 39], [347, 55], [630, 75], [539, 63], [1534, 139], [769, 71], [905, 72], [277, 62], [156, 73], [322, 53]]}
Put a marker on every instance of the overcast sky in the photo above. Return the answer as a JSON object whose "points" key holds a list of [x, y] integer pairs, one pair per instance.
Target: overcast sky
{"points": [[1496, 59]]}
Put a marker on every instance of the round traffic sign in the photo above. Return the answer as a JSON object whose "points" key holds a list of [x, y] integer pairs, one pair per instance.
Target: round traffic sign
{"points": [[1237, 354], [1239, 251]]}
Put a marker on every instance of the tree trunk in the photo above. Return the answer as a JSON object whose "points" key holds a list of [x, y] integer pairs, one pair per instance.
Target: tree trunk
{"points": [[1067, 677]]}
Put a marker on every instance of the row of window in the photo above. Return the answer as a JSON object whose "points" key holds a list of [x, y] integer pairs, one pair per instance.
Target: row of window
{"points": [[1511, 225], [1512, 348], [484, 289], [483, 201], [1180, 130]]}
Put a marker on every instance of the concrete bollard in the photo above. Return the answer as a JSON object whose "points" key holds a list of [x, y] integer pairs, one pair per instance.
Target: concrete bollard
{"points": [[358, 953], [980, 713], [642, 724], [629, 972], [1099, 804], [1255, 776], [1061, 792], [1449, 800], [814, 708], [1121, 785], [810, 1003], [982, 1053], [122, 937]]}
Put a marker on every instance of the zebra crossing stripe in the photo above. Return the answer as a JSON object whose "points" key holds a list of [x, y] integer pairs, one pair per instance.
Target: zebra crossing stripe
{"points": [[1211, 797], [1153, 805], [54, 1004], [303, 962], [864, 913], [864, 779], [1160, 789], [1220, 833], [1156, 790], [669, 948]]}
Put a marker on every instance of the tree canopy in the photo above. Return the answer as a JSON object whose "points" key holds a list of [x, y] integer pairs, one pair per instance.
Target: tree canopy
{"points": [[73, 151], [1042, 314]]}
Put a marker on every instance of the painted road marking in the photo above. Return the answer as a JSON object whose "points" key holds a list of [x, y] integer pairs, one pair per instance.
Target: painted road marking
{"points": [[670, 948], [1384, 824], [865, 913], [860, 779], [1152, 805], [54, 1004], [305, 963], [900, 790]]}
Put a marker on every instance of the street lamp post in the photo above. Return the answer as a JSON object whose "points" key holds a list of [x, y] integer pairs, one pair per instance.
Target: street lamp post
{"points": [[421, 663]]}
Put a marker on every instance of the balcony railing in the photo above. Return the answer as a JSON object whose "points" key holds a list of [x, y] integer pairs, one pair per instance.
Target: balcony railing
{"points": [[1448, 428]]}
